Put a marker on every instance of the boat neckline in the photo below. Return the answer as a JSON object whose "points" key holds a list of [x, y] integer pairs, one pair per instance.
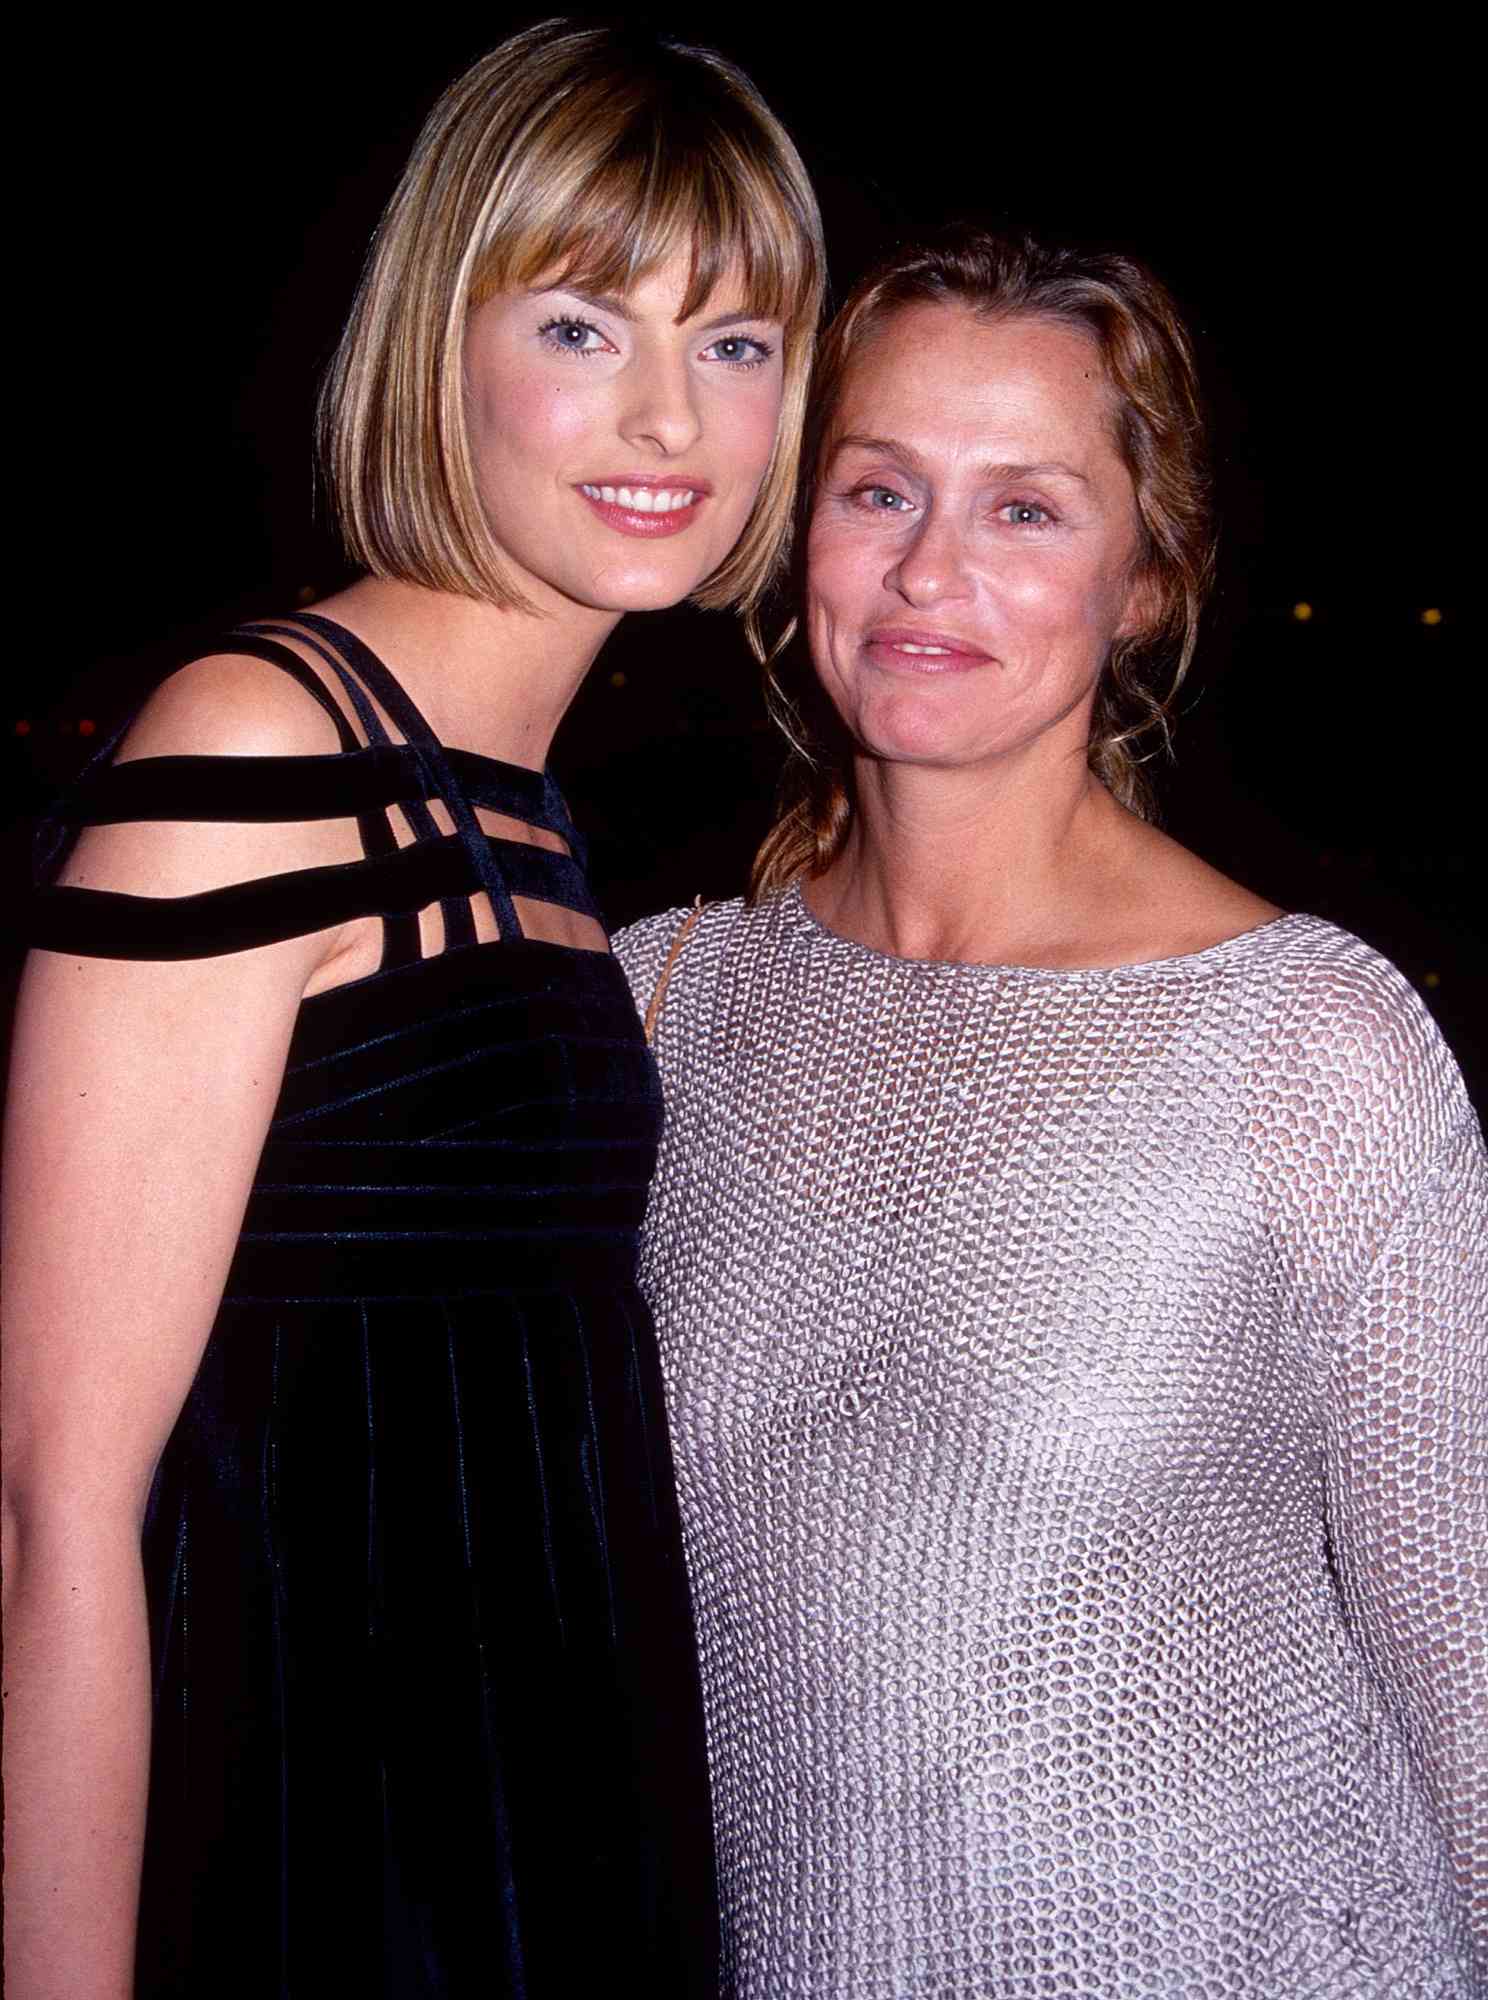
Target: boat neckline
{"points": [[794, 906]]}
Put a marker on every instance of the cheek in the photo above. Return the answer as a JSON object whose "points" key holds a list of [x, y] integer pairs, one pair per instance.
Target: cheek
{"points": [[527, 420], [842, 594], [1104, 609], [1064, 603], [743, 432], [824, 640], [1043, 591], [844, 574]]}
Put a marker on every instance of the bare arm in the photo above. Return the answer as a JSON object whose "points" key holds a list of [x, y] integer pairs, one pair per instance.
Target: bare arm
{"points": [[140, 1096]]}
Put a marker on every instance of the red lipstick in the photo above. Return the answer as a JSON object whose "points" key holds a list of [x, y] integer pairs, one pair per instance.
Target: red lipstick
{"points": [[646, 504]]}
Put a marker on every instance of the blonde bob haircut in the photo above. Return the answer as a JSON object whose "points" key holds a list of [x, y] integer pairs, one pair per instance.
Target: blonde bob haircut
{"points": [[590, 157]]}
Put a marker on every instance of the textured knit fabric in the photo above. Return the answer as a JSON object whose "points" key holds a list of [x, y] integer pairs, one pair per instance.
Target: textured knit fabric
{"points": [[1079, 1403], [427, 1723]]}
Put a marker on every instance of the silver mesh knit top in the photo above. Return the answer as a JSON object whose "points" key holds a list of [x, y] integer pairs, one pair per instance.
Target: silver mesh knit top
{"points": [[1079, 1387]]}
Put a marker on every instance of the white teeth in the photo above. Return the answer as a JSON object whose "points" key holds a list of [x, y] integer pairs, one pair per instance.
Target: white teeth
{"points": [[642, 499], [906, 648]]}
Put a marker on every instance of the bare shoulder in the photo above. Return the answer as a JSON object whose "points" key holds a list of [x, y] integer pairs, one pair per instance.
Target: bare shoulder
{"points": [[223, 705], [228, 705], [1184, 903]]}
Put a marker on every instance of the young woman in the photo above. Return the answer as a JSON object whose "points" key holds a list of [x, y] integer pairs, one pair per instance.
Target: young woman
{"points": [[331, 1127], [1071, 1272]]}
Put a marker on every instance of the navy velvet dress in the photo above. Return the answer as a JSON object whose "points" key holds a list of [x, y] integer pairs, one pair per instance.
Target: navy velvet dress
{"points": [[426, 1710]]}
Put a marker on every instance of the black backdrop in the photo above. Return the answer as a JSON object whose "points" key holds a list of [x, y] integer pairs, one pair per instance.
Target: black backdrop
{"points": [[217, 192]]}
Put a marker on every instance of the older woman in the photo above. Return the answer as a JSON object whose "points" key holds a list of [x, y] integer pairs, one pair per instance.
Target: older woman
{"points": [[1070, 1270], [332, 1125]]}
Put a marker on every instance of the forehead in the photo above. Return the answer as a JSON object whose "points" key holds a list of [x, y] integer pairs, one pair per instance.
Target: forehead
{"points": [[939, 378]]}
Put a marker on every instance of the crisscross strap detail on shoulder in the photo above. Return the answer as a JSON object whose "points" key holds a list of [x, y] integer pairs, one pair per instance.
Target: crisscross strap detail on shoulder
{"points": [[459, 925], [364, 780]]}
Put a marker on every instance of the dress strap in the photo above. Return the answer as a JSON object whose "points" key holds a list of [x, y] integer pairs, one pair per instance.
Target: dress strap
{"points": [[358, 661], [244, 640], [389, 768], [186, 787], [400, 931], [358, 781], [459, 925]]}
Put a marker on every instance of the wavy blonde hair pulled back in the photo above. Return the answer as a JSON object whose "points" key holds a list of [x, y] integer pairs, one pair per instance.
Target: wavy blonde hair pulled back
{"points": [[587, 156], [1159, 429]]}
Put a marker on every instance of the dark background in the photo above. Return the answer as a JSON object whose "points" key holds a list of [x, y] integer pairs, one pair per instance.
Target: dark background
{"points": [[218, 191]]}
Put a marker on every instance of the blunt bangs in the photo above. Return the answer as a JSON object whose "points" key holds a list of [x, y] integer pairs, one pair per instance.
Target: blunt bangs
{"points": [[605, 223]]}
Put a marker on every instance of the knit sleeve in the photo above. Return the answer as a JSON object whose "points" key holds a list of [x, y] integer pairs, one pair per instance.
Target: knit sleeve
{"points": [[1407, 1489]]}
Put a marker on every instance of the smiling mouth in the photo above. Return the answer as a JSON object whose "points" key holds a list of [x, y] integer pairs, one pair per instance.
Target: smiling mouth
{"points": [[645, 510], [923, 652], [642, 499]]}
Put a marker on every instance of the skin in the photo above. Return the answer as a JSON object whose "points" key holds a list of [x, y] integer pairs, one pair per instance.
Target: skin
{"points": [[564, 389], [142, 1092], [973, 502]]}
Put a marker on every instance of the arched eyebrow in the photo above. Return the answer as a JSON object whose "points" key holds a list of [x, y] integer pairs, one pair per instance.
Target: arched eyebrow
{"points": [[1053, 467], [901, 454], [603, 302], [906, 455], [733, 319]]}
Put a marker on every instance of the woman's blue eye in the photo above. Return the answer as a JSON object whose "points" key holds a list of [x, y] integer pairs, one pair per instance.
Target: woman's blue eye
{"points": [[884, 500], [1026, 514], [739, 350], [572, 336]]}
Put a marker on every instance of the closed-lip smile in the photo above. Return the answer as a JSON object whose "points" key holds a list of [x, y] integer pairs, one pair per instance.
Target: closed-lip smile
{"points": [[923, 650]]}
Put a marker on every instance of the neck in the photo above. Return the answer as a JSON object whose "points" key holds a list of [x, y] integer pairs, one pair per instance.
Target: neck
{"points": [[488, 679], [1005, 864]]}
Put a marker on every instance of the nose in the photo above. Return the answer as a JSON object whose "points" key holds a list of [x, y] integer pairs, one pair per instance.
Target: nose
{"points": [[930, 566], [661, 408]]}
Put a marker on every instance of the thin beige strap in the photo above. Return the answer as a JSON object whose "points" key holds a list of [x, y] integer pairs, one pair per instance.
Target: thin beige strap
{"points": [[684, 931]]}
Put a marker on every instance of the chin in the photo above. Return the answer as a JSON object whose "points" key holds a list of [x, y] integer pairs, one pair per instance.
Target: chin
{"points": [[655, 597], [643, 589], [925, 756], [911, 735]]}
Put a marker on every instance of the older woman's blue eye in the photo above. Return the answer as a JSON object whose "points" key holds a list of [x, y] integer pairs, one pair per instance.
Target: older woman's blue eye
{"points": [[1026, 514], [884, 500]]}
